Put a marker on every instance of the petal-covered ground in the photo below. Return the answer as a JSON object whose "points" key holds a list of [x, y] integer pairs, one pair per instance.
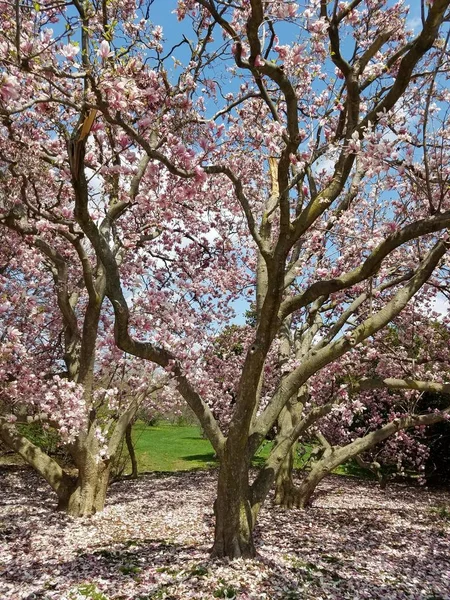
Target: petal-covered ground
{"points": [[152, 541]]}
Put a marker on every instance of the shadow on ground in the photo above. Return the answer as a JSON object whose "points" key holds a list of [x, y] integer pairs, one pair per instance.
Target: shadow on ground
{"points": [[152, 542]]}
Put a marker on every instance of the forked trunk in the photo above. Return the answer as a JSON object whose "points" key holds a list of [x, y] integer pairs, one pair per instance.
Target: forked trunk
{"points": [[288, 495], [233, 512], [288, 419], [87, 494]]}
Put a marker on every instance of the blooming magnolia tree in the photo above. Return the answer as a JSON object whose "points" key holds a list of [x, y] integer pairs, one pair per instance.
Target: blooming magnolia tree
{"points": [[45, 379], [362, 422], [299, 152], [59, 365]]}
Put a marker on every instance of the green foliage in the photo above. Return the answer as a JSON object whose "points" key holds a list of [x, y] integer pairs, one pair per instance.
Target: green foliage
{"points": [[351, 469], [199, 571], [309, 571], [180, 416], [167, 570], [442, 512], [251, 316], [129, 569], [225, 346]]}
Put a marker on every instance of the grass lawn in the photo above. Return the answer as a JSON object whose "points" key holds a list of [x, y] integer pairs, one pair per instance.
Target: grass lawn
{"points": [[168, 448]]}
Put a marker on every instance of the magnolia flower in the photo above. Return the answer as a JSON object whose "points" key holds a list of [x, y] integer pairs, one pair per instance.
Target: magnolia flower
{"points": [[259, 62], [9, 87], [70, 51], [104, 50], [4, 307], [14, 334], [158, 33]]}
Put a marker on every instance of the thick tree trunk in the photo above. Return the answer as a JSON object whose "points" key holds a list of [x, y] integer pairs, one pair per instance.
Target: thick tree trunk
{"points": [[288, 419], [87, 494], [78, 496], [284, 486], [234, 516]]}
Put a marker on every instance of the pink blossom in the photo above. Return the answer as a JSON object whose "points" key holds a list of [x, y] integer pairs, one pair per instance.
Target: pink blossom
{"points": [[104, 50], [70, 51], [259, 62], [9, 87]]}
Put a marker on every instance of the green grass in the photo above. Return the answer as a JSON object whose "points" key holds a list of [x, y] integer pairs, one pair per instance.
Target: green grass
{"points": [[167, 448]]}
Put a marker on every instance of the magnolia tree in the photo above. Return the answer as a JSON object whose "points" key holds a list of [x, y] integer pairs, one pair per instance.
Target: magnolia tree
{"points": [[415, 346], [42, 382], [59, 365], [362, 421], [296, 152], [363, 426]]}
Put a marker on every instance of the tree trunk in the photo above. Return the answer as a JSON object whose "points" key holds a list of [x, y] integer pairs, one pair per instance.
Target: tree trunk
{"points": [[78, 496], [87, 494], [302, 494], [288, 419], [334, 456], [233, 511], [284, 486], [375, 468], [131, 452]]}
